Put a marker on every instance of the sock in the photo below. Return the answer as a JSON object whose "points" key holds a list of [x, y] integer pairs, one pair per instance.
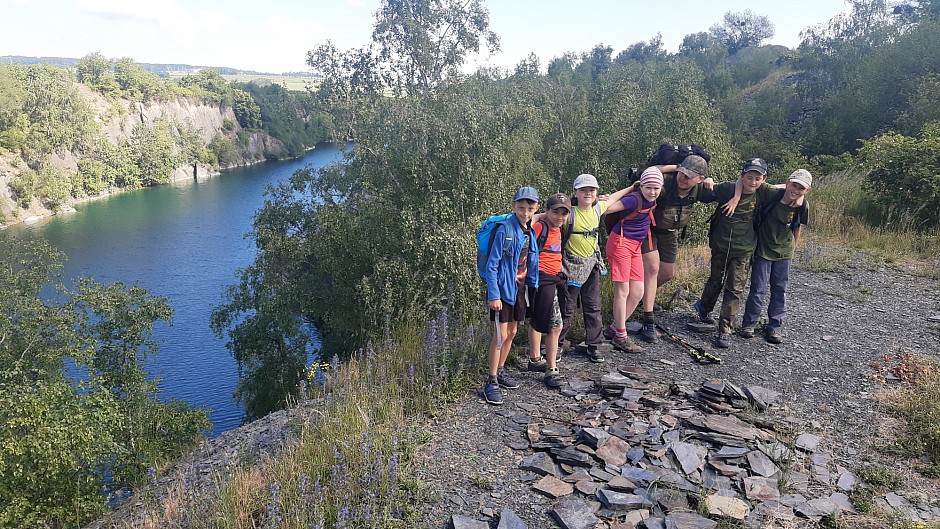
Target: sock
{"points": [[491, 379], [621, 333], [647, 317]]}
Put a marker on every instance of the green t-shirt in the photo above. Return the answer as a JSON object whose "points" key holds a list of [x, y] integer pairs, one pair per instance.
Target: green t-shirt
{"points": [[775, 240], [584, 221], [735, 235]]}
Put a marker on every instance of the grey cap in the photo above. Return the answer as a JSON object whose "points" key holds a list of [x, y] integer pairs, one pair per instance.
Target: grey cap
{"points": [[694, 166], [585, 180], [803, 177], [526, 193]]}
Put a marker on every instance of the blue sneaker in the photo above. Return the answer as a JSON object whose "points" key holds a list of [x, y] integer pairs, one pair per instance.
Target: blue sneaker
{"points": [[703, 314], [492, 394], [503, 379]]}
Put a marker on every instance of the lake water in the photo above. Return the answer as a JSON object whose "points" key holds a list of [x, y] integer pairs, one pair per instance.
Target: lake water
{"points": [[184, 241]]}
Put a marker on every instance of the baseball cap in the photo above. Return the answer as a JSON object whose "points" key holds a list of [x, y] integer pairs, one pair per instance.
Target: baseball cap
{"points": [[558, 200], [694, 166], [526, 193], [755, 164], [585, 180], [803, 177]]}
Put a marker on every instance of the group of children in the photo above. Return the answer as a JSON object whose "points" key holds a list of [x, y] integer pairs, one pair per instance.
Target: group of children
{"points": [[548, 264]]}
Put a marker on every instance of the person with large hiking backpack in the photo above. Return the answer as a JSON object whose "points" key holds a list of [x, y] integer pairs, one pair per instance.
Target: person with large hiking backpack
{"points": [[778, 229], [507, 259], [623, 253], [582, 262], [683, 186], [732, 239]]}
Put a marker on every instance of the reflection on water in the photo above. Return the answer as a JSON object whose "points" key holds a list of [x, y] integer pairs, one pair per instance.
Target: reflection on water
{"points": [[184, 241]]}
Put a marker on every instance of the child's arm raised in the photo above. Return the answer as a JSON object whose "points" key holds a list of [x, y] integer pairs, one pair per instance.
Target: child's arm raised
{"points": [[731, 204], [614, 204]]}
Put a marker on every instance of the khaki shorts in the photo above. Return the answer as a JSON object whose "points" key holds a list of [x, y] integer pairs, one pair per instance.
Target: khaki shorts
{"points": [[666, 241]]}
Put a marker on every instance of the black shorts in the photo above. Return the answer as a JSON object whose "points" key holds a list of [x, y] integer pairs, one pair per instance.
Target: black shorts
{"points": [[544, 313], [666, 241], [514, 312]]}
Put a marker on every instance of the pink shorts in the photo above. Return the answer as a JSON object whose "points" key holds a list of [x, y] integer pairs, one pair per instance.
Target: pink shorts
{"points": [[626, 261]]}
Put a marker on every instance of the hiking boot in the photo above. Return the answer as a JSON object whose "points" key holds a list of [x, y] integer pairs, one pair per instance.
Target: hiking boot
{"points": [[724, 340], [553, 378], [703, 314], [492, 394], [772, 337], [648, 333], [595, 356], [746, 332], [563, 347], [609, 333], [539, 365], [626, 345], [506, 381]]}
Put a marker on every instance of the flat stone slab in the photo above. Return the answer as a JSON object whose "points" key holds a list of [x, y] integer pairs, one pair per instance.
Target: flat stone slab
{"points": [[727, 506], [807, 442], [843, 502], [731, 425], [761, 464], [688, 520], [574, 513], [760, 488], [553, 487], [817, 507], [509, 520], [690, 457], [540, 463], [847, 481], [614, 451], [621, 501], [460, 521]]}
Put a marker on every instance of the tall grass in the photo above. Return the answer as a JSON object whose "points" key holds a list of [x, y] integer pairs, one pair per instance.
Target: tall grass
{"points": [[348, 464], [842, 212]]}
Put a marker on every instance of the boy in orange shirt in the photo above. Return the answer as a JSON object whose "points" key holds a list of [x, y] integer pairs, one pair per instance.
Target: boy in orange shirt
{"points": [[544, 313]]}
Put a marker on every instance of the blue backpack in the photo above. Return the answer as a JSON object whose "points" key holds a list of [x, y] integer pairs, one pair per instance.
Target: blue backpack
{"points": [[485, 240]]}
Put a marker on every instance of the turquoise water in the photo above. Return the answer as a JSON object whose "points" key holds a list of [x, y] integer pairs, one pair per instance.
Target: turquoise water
{"points": [[184, 241]]}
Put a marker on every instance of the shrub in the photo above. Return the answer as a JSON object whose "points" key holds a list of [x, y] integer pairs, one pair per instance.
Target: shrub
{"points": [[904, 177]]}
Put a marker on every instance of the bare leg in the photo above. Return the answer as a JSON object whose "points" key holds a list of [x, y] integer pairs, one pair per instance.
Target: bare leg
{"points": [[651, 279], [621, 292]]}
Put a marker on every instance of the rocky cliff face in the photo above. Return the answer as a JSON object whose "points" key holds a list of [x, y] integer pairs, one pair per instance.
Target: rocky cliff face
{"points": [[118, 119]]}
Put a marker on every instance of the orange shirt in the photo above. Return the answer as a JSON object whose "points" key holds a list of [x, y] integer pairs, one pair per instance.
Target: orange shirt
{"points": [[550, 253]]}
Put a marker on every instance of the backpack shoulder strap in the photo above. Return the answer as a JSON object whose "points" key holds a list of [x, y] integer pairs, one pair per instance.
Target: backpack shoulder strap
{"points": [[543, 236]]}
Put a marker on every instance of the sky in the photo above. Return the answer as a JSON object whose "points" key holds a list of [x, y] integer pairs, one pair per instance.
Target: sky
{"points": [[274, 36]]}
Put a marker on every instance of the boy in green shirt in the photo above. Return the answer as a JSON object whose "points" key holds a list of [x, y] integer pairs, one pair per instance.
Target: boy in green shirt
{"points": [[732, 239], [778, 230]]}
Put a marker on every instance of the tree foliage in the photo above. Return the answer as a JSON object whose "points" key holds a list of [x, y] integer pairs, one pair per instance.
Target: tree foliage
{"points": [[904, 177], [742, 29], [65, 438]]}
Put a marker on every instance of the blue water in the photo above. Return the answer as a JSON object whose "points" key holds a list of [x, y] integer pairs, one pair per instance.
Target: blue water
{"points": [[184, 241]]}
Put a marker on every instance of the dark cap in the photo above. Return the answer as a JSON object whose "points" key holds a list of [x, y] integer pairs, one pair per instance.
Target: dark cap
{"points": [[558, 200], [694, 166], [526, 193], [755, 164]]}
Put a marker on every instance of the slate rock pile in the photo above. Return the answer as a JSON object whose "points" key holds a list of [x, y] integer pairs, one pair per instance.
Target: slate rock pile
{"points": [[640, 455]]}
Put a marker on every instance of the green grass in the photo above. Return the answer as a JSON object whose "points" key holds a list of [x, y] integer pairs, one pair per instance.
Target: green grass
{"points": [[349, 463]]}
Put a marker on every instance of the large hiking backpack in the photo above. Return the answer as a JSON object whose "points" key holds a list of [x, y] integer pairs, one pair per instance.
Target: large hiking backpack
{"points": [[611, 220], [485, 240], [670, 154]]}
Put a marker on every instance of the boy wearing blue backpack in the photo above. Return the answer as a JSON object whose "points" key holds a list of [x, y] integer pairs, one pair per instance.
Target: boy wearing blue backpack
{"points": [[509, 264]]}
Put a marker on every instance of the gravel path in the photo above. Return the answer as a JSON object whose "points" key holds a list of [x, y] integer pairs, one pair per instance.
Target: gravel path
{"points": [[841, 323]]}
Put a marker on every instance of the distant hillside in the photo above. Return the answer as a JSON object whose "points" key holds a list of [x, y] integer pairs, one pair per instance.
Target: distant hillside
{"points": [[163, 70]]}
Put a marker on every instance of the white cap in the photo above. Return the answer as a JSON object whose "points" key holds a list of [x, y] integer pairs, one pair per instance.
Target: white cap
{"points": [[585, 180]]}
